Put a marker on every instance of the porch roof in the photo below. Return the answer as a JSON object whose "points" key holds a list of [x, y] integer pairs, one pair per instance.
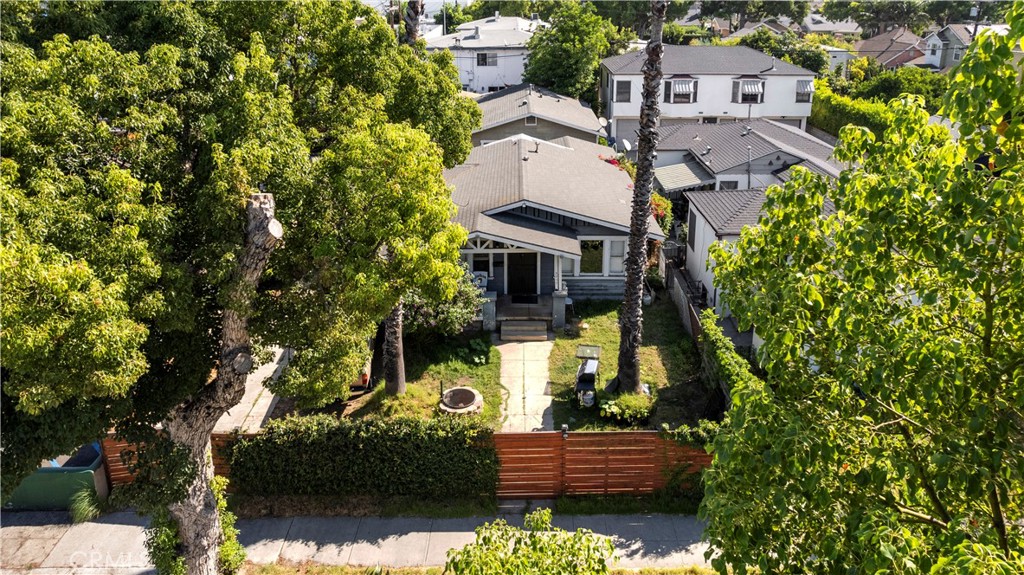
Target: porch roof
{"points": [[529, 233]]}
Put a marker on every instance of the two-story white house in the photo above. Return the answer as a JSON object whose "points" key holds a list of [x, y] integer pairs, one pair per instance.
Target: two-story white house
{"points": [[707, 84], [945, 48], [490, 53]]}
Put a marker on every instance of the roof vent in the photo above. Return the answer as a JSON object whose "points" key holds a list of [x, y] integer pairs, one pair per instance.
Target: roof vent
{"points": [[707, 150], [536, 147]]}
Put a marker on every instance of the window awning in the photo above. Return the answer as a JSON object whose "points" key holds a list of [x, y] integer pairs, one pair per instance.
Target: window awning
{"points": [[805, 86], [682, 86], [753, 87]]}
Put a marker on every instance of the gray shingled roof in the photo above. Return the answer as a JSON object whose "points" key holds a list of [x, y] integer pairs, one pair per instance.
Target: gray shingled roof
{"points": [[729, 144], [518, 102], [726, 60], [728, 211], [887, 45], [564, 176]]}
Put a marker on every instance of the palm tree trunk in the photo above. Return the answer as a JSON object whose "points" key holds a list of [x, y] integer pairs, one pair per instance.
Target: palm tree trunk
{"points": [[631, 317], [413, 11], [394, 352], [191, 423]]}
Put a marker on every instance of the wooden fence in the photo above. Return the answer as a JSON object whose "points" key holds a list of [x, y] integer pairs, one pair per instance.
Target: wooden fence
{"points": [[534, 465], [549, 464]]}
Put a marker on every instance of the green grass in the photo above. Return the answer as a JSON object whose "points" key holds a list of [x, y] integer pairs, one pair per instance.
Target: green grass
{"points": [[668, 364], [429, 366]]}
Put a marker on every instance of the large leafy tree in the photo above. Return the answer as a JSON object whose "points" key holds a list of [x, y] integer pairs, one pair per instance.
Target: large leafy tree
{"points": [[877, 16], [173, 214], [637, 15], [891, 84], [755, 10], [888, 435], [789, 48], [631, 318], [566, 56]]}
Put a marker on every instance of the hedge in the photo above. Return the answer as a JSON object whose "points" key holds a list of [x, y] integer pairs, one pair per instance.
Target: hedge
{"points": [[830, 111], [430, 459], [720, 364]]}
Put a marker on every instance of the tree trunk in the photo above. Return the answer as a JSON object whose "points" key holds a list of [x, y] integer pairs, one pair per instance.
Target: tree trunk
{"points": [[631, 318], [191, 423], [394, 353], [413, 11]]}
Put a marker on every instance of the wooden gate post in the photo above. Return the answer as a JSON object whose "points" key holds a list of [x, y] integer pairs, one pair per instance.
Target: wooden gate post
{"points": [[564, 444]]}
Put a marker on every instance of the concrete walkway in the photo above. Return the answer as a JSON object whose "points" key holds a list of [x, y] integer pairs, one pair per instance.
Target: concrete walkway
{"points": [[524, 373], [42, 543]]}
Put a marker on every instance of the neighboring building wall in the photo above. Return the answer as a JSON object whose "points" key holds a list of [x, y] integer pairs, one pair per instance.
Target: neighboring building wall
{"points": [[698, 266], [933, 51], [714, 100], [507, 71], [760, 171], [595, 288], [543, 130]]}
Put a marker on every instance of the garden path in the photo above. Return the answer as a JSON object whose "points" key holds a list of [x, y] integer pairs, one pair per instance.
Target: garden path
{"points": [[524, 373]]}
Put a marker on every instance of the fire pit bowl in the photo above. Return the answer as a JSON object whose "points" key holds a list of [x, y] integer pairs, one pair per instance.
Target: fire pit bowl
{"points": [[462, 400]]}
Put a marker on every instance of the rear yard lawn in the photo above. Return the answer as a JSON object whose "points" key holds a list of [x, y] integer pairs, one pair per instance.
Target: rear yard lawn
{"points": [[668, 358]]}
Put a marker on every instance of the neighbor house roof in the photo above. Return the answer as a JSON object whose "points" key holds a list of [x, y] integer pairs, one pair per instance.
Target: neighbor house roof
{"points": [[729, 211], [725, 60], [816, 23], [687, 174], [518, 102], [888, 46], [492, 32], [751, 27], [566, 176], [729, 141]]}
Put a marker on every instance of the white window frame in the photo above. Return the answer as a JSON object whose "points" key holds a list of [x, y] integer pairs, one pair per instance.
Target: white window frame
{"points": [[490, 59], [471, 256], [529, 123], [606, 254], [628, 92], [673, 97], [957, 53]]}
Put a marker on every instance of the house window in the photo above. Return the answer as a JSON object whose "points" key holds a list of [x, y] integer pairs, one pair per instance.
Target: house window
{"points": [[531, 120], [592, 258], [729, 185], [568, 266], [804, 89], [680, 92], [691, 230], [482, 263], [748, 91], [622, 90], [617, 256], [934, 49], [487, 59], [956, 53]]}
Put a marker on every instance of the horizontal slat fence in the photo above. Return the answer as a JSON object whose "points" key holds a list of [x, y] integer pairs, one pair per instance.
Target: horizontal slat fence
{"points": [[118, 473], [533, 465], [549, 464]]}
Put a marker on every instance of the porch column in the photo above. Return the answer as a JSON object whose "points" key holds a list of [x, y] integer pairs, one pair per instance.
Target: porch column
{"points": [[489, 311], [558, 307]]}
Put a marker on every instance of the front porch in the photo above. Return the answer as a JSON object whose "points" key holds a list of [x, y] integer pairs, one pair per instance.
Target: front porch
{"points": [[525, 308]]}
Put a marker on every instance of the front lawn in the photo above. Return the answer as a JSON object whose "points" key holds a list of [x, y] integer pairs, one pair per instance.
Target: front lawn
{"points": [[447, 363], [669, 365]]}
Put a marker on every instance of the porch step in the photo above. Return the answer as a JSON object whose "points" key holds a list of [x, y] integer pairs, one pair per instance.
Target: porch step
{"points": [[524, 331]]}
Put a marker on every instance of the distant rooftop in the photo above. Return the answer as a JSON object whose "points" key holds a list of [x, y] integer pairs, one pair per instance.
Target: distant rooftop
{"points": [[492, 32], [517, 102], [732, 60]]}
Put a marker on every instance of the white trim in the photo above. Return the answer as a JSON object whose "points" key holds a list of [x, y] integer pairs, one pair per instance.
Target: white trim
{"points": [[606, 253], [529, 204], [596, 131], [517, 246], [528, 118]]}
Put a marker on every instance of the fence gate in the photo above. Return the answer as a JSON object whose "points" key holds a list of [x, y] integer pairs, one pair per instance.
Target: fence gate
{"points": [[549, 464]]}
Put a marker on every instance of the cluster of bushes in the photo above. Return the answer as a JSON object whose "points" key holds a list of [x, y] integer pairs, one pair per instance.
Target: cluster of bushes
{"points": [[628, 408], [402, 456], [830, 111], [720, 364]]}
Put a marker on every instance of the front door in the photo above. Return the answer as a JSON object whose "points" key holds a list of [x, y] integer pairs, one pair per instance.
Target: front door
{"points": [[522, 274]]}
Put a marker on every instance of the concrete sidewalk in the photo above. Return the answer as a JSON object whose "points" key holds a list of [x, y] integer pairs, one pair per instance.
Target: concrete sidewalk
{"points": [[524, 373], [43, 543]]}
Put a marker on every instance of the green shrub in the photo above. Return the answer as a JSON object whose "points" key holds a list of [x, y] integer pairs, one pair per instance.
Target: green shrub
{"points": [[661, 208], [402, 456], [831, 112], [720, 363], [85, 505], [163, 543], [628, 408], [538, 548]]}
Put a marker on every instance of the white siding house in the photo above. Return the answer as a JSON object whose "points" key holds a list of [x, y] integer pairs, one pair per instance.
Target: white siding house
{"points": [[490, 53], [707, 84]]}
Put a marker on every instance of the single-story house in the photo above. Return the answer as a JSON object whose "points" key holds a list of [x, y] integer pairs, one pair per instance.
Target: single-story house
{"points": [[546, 220], [534, 111], [892, 49]]}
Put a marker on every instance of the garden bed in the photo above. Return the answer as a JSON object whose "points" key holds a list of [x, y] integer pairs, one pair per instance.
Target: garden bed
{"points": [[670, 365]]}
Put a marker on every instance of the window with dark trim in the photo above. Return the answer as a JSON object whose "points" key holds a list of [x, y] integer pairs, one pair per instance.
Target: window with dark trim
{"points": [[729, 185], [487, 59], [623, 88], [691, 230], [680, 91], [482, 263]]}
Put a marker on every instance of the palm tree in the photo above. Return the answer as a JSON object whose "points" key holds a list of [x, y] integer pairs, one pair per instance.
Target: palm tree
{"points": [[631, 316], [413, 11]]}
